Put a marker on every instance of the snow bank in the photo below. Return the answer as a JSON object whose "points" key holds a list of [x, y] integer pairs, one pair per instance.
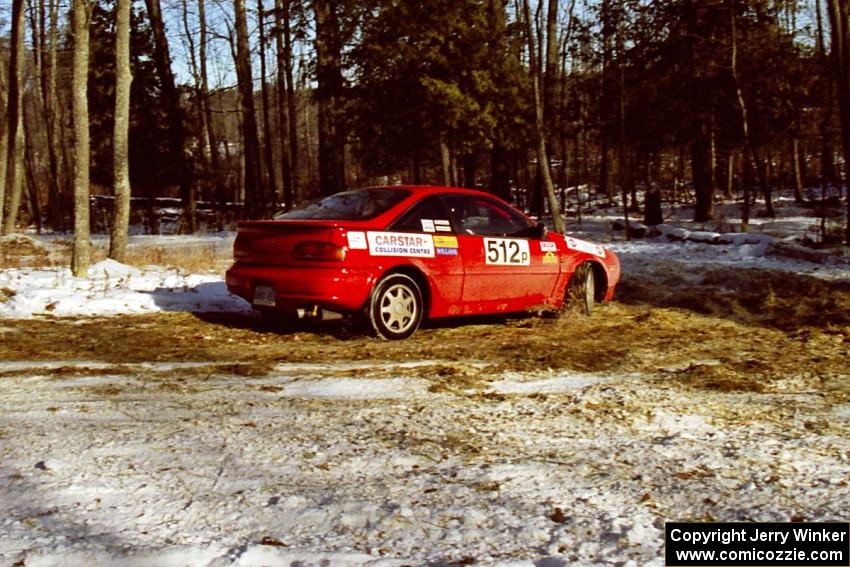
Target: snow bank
{"points": [[111, 288]]}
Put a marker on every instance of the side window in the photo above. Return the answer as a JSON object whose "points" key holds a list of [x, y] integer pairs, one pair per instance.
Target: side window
{"points": [[428, 215], [481, 216]]}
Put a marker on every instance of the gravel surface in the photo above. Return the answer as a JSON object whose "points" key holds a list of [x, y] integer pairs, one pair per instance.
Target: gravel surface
{"points": [[371, 463]]}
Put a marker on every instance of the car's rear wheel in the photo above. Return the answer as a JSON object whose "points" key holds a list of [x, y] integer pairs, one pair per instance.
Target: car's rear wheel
{"points": [[581, 291], [396, 306]]}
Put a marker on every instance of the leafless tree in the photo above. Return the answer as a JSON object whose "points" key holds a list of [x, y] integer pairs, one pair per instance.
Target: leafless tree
{"points": [[176, 131], [539, 124], [255, 201], [82, 247], [268, 143], [13, 181], [839, 19], [286, 111], [121, 166], [329, 97]]}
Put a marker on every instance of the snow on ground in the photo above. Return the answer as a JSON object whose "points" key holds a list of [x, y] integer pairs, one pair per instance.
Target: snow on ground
{"points": [[111, 288], [163, 465], [369, 463], [643, 256]]}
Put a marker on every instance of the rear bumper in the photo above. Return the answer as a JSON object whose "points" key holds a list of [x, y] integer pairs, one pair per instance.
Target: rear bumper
{"points": [[336, 289]]}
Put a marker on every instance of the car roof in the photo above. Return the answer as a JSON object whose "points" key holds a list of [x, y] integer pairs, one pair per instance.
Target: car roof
{"points": [[419, 190]]}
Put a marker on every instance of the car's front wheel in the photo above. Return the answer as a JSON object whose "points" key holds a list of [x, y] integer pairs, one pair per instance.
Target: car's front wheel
{"points": [[396, 306], [581, 291]]}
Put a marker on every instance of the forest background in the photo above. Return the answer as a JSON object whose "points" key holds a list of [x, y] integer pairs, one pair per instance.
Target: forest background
{"points": [[240, 111]]}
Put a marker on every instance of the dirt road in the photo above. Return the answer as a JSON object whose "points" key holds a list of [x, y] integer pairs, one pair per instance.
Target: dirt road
{"points": [[214, 440]]}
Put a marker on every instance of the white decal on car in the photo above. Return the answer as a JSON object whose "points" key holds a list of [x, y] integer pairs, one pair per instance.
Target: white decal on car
{"points": [[548, 246], [506, 252], [357, 241], [428, 225], [585, 246], [400, 244], [442, 226]]}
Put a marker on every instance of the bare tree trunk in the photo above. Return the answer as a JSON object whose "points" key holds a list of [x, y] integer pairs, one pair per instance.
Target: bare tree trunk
{"points": [[626, 179], [37, 114], [291, 103], [196, 85], [4, 135], [13, 182], [500, 177], [255, 201], [268, 153], [730, 175], [329, 94], [121, 169], [55, 204], [623, 157], [542, 156], [827, 162], [752, 158], [839, 19], [445, 160], [204, 95], [285, 115], [701, 125], [550, 81], [81, 256], [35, 205], [65, 118], [499, 158], [604, 187], [176, 132], [797, 176]]}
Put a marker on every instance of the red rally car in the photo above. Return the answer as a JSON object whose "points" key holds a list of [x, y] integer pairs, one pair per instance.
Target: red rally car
{"points": [[398, 254]]}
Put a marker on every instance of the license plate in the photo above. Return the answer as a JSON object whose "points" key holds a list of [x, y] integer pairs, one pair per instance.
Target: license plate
{"points": [[264, 295]]}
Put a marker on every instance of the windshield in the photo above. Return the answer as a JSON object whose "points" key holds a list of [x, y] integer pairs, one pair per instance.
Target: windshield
{"points": [[360, 204]]}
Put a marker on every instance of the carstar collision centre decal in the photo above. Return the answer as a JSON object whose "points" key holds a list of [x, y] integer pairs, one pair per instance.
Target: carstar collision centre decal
{"points": [[400, 244]]}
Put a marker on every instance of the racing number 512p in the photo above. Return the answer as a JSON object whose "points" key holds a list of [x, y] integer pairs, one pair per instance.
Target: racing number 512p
{"points": [[503, 251]]}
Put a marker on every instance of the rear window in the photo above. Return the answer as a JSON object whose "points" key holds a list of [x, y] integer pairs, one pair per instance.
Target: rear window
{"points": [[359, 204]]}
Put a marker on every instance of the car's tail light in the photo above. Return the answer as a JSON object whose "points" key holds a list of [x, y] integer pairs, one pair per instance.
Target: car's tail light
{"points": [[318, 251]]}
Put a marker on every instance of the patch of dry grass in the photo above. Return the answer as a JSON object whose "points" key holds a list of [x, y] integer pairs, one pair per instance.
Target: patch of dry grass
{"points": [[195, 259], [6, 294], [19, 250], [783, 300], [771, 332], [618, 338]]}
